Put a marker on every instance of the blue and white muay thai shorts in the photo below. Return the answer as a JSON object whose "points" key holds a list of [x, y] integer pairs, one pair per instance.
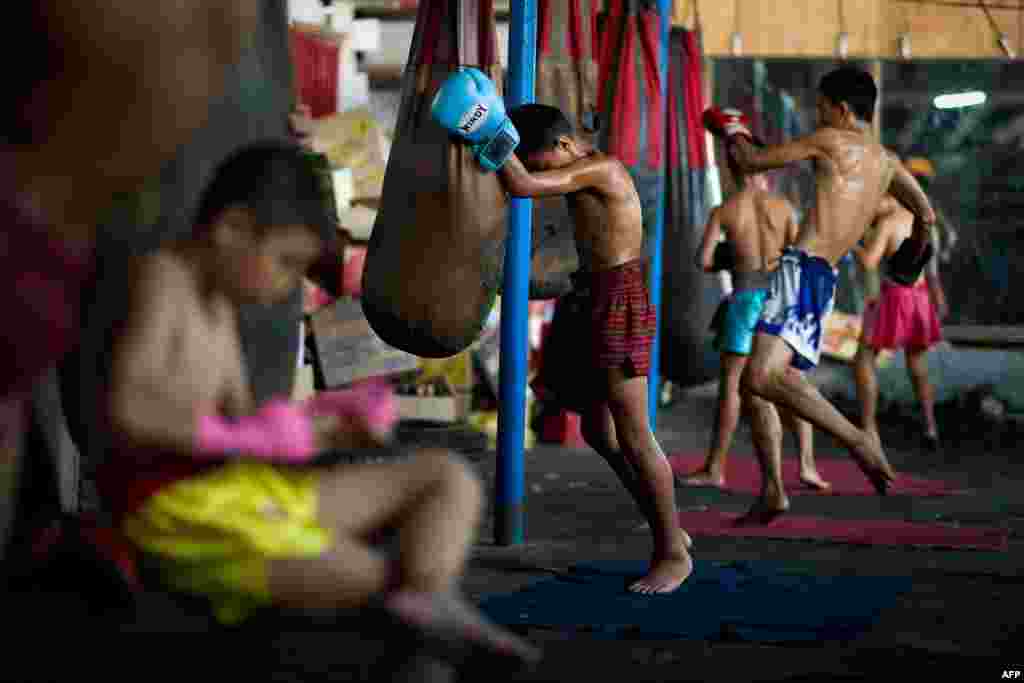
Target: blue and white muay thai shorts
{"points": [[800, 297]]}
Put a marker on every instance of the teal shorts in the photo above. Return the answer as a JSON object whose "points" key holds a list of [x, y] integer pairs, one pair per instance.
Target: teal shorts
{"points": [[735, 320]]}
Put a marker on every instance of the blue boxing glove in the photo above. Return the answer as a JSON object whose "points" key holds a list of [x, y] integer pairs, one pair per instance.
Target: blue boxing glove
{"points": [[468, 106]]}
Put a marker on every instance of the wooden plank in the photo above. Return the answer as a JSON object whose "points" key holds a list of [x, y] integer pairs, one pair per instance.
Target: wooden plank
{"points": [[984, 335], [810, 28], [348, 350]]}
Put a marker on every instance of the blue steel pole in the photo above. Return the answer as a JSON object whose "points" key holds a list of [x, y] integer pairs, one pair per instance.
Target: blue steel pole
{"points": [[508, 508], [653, 379]]}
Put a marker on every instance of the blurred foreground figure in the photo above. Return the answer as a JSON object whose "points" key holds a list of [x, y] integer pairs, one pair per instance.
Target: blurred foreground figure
{"points": [[103, 94]]}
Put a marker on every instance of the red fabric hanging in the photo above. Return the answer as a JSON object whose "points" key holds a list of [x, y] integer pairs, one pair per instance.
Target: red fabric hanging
{"points": [[695, 105], [316, 64], [630, 84], [650, 37]]}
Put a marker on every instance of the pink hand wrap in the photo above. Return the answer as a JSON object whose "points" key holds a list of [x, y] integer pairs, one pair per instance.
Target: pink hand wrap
{"points": [[280, 431], [372, 401]]}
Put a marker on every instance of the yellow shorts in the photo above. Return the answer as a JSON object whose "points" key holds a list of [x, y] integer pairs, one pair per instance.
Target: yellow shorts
{"points": [[212, 534]]}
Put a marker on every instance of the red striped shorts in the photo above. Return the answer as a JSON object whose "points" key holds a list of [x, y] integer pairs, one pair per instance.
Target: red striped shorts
{"points": [[622, 319]]}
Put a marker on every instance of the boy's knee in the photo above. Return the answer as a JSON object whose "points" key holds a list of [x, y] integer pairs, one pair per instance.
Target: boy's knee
{"points": [[756, 380], [453, 472], [632, 430]]}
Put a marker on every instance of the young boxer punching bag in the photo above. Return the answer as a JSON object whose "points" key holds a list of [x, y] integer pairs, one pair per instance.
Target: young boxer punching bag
{"points": [[434, 261], [689, 295], [567, 79]]}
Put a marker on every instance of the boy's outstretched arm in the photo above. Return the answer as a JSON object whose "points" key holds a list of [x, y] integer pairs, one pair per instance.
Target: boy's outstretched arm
{"points": [[752, 159], [585, 173], [733, 126]]}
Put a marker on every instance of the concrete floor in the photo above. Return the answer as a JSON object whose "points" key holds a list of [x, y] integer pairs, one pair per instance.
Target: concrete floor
{"points": [[962, 616], [965, 608]]}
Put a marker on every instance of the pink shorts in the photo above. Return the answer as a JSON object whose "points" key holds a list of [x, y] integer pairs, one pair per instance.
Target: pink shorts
{"points": [[901, 318]]}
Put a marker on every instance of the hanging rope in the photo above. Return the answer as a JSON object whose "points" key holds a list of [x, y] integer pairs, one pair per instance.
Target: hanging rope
{"points": [[843, 40], [737, 41]]}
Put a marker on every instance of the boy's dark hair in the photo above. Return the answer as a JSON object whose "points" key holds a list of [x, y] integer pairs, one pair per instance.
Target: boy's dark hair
{"points": [[539, 127], [276, 182], [853, 86]]}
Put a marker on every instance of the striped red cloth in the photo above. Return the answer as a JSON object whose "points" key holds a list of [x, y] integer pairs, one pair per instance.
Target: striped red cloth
{"points": [[630, 84], [623, 321]]}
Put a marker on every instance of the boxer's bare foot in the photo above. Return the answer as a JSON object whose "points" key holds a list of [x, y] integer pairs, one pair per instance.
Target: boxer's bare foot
{"points": [[871, 459], [768, 507], [705, 476], [458, 628], [811, 479], [666, 573]]}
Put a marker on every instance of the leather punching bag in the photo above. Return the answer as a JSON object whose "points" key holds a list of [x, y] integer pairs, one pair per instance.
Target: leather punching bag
{"points": [[434, 261], [689, 295]]}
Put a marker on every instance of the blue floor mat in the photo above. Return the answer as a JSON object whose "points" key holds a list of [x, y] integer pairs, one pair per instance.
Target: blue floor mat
{"points": [[756, 602]]}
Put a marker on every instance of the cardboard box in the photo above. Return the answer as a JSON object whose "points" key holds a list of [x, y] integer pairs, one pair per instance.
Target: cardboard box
{"points": [[348, 348], [304, 384], [434, 408], [358, 222], [353, 139]]}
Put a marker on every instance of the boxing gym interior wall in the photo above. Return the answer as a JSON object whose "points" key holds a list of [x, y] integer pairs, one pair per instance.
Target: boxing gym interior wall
{"points": [[929, 29]]}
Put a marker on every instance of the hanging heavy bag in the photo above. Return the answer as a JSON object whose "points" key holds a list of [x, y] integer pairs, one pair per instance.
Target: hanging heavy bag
{"points": [[689, 295], [567, 79], [631, 103], [433, 264]]}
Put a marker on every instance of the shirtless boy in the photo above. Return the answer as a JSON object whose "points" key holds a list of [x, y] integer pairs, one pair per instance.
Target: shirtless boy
{"points": [[853, 172], [902, 317], [218, 493], [757, 224], [615, 339]]}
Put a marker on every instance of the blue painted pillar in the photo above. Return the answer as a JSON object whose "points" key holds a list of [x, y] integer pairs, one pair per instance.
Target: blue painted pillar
{"points": [[508, 498], [654, 378]]}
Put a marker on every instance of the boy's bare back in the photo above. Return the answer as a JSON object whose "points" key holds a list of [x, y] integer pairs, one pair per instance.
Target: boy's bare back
{"points": [[758, 224], [852, 172]]}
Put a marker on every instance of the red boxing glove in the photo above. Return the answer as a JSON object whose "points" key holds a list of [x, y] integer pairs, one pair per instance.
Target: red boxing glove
{"points": [[727, 123]]}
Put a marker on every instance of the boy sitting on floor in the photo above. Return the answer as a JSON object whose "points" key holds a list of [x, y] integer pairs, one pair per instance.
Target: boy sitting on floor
{"points": [[219, 492]]}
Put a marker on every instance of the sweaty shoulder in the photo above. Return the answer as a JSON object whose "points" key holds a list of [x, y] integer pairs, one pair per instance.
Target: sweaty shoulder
{"points": [[612, 174], [830, 141]]}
